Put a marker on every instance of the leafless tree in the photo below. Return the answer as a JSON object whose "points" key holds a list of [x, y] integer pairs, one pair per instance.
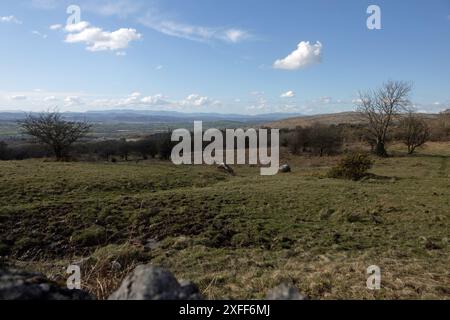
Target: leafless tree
{"points": [[414, 131], [49, 128], [380, 107]]}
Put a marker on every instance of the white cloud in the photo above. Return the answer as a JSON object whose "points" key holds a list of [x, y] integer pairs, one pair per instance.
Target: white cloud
{"points": [[56, 27], [134, 100], [305, 55], [10, 19], [193, 32], [71, 101], [121, 53], [160, 67], [18, 97], [158, 99], [98, 40], [50, 99], [260, 104], [236, 35], [39, 34], [77, 27], [288, 94], [196, 100], [325, 100]]}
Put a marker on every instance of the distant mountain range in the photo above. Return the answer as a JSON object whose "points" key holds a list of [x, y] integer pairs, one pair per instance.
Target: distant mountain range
{"points": [[138, 116]]}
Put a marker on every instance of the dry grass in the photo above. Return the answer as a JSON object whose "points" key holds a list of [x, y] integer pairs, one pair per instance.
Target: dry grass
{"points": [[236, 236]]}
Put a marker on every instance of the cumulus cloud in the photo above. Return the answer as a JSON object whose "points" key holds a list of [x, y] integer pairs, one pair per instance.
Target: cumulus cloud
{"points": [[97, 39], [196, 100], [10, 19], [77, 27], [71, 101], [157, 99], [305, 55], [288, 94], [134, 100]]}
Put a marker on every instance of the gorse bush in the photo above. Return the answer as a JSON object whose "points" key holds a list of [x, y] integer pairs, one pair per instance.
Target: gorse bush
{"points": [[354, 167]]}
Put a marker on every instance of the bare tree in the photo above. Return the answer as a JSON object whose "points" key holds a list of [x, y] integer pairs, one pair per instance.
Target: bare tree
{"points": [[49, 128], [414, 131], [380, 107]]}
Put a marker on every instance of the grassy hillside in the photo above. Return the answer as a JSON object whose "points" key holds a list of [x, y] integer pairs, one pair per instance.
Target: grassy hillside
{"points": [[327, 119], [235, 236], [333, 119]]}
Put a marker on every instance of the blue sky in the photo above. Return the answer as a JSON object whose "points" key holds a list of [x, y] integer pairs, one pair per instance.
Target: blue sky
{"points": [[234, 56]]}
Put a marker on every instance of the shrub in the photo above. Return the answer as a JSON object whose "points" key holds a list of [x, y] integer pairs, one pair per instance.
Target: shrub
{"points": [[353, 166], [318, 139]]}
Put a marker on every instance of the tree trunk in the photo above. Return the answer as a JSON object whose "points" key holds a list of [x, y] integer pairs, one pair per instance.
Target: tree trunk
{"points": [[59, 154], [380, 150]]}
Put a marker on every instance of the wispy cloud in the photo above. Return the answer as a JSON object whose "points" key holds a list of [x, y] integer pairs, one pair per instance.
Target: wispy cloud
{"points": [[55, 27], [120, 8], [10, 19], [18, 97], [39, 34], [193, 32]]}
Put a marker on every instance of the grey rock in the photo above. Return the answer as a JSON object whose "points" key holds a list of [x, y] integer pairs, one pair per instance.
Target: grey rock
{"points": [[226, 168], [189, 291], [21, 285], [285, 168], [285, 292], [152, 244], [148, 282]]}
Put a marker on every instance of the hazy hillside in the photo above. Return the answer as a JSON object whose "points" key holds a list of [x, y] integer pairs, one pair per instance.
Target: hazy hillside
{"points": [[142, 116], [131, 123]]}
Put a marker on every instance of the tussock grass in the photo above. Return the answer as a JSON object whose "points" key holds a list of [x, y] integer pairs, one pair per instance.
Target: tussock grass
{"points": [[235, 237]]}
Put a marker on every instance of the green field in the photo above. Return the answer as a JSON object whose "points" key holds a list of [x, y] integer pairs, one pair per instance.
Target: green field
{"points": [[235, 236]]}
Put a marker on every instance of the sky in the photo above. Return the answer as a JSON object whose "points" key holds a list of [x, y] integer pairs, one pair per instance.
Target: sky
{"points": [[233, 56]]}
